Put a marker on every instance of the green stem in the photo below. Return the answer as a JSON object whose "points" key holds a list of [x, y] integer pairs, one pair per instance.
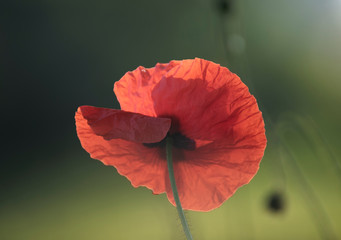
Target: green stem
{"points": [[175, 190]]}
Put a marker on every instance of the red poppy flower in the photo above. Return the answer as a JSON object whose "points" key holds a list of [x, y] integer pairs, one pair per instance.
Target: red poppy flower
{"points": [[217, 129]]}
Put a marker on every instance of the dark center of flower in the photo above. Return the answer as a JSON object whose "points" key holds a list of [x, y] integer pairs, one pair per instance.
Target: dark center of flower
{"points": [[179, 141]]}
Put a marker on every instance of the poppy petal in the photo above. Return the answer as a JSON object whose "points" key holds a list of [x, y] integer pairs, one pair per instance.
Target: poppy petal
{"points": [[204, 99], [114, 124], [211, 174], [140, 164], [133, 90]]}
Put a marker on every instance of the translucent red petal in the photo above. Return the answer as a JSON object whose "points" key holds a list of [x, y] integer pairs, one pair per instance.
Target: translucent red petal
{"points": [[141, 165], [212, 173], [117, 124]]}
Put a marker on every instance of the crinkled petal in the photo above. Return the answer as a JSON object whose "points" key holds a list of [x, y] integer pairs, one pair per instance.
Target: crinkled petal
{"points": [[212, 173], [114, 124], [204, 100], [133, 90], [140, 164]]}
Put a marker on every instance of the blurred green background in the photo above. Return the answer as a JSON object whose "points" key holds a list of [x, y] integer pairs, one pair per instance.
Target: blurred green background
{"points": [[58, 55]]}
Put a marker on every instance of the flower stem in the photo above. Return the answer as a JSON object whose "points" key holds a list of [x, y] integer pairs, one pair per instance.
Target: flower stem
{"points": [[175, 190]]}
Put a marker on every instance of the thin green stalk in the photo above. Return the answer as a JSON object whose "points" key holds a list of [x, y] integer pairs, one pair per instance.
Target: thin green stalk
{"points": [[175, 190]]}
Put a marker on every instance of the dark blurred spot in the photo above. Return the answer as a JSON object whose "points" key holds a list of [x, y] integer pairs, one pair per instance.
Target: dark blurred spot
{"points": [[179, 141], [224, 6], [275, 202]]}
